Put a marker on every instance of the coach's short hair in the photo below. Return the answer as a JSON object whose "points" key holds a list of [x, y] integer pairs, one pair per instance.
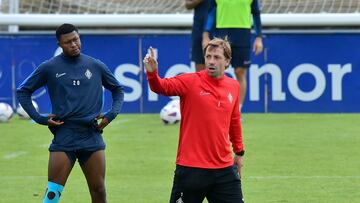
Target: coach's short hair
{"points": [[222, 43], [65, 28]]}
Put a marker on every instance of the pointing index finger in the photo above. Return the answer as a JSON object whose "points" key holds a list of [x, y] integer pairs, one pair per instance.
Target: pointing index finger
{"points": [[152, 54]]}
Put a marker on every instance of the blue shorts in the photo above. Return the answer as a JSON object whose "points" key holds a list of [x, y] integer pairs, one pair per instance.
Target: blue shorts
{"points": [[200, 14], [240, 45], [81, 155], [197, 54], [77, 141], [240, 57]]}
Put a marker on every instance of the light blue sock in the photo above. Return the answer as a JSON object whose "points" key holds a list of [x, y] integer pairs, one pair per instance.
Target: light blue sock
{"points": [[53, 193]]}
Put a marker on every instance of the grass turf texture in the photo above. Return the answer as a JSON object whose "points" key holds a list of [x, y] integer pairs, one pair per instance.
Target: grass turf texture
{"points": [[290, 158]]}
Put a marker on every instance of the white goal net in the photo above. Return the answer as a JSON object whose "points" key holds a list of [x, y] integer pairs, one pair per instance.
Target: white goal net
{"points": [[310, 6], [97, 6], [169, 13], [166, 6]]}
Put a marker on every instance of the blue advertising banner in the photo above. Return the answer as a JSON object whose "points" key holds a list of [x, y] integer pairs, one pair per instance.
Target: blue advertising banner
{"points": [[6, 64], [297, 72], [312, 72]]}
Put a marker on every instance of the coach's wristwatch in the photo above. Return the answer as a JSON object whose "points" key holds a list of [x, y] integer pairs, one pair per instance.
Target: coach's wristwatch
{"points": [[241, 153]]}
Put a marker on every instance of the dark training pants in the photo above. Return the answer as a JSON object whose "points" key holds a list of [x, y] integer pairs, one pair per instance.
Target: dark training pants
{"points": [[192, 185]]}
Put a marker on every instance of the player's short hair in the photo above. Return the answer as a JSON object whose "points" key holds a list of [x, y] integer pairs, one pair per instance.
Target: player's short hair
{"points": [[65, 28], [222, 43]]}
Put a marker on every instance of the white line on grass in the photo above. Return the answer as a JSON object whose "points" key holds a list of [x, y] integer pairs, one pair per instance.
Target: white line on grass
{"points": [[45, 145], [20, 177], [14, 154], [122, 121], [302, 177], [250, 177]]}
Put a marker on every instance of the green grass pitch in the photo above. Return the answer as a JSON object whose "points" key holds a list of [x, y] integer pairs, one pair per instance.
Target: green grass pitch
{"points": [[290, 158]]}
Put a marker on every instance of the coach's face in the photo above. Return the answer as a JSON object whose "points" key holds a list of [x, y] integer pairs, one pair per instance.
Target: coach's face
{"points": [[215, 61], [70, 44]]}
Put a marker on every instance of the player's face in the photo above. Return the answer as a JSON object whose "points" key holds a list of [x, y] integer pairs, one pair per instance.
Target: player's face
{"points": [[215, 61], [70, 44]]}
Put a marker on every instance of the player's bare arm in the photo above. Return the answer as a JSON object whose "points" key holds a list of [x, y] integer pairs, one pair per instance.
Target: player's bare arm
{"points": [[150, 61], [206, 39], [239, 161], [258, 46], [191, 4]]}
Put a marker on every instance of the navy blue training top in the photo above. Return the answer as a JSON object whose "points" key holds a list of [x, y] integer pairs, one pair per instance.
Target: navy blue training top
{"points": [[75, 89]]}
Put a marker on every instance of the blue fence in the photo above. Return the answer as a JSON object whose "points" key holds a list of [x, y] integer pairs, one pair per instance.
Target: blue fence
{"points": [[297, 73]]}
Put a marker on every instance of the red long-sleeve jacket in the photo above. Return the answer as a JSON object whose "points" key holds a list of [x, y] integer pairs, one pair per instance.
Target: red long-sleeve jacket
{"points": [[210, 117]]}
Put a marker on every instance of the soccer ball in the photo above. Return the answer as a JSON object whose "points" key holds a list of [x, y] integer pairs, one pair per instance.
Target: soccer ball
{"points": [[22, 113], [6, 112], [175, 103], [170, 113]]}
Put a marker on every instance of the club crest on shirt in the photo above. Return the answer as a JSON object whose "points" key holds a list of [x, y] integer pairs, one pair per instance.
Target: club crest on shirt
{"points": [[230, 97], [88, 74]]}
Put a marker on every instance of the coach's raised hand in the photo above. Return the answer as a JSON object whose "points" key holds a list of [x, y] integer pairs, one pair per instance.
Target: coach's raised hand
{"points": [[150, 61]]}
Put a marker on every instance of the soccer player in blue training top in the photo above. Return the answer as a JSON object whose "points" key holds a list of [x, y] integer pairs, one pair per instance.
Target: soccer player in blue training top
{"points": [[74, 81]]}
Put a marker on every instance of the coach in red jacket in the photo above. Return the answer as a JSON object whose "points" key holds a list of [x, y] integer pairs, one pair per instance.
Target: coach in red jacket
{"points": [[210, 124]]}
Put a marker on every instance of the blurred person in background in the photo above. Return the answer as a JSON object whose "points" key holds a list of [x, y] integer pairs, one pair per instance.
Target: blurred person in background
{"points": [[200, 13], [232, 18]]}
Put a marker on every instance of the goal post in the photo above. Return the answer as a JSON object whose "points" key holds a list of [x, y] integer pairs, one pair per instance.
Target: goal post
{"points": [[169, 13], [173, 20]]}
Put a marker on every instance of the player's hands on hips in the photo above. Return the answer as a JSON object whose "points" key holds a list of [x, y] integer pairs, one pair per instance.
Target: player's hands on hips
{"points": [[258, 46], [239, 161], [104, 122], [52, 121], [150, 61]]}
